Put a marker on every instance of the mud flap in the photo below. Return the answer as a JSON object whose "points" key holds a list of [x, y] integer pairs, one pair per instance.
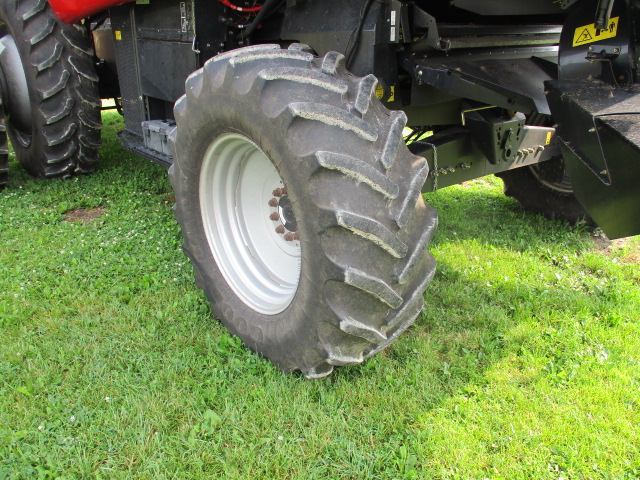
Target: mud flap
{"points": [[599, 129]]}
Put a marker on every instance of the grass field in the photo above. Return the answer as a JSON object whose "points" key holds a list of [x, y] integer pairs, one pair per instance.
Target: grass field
{"points": [[525, 363]]}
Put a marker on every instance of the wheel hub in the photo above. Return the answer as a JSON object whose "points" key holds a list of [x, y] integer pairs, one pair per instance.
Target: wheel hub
{"points": [[288, 218], [283, 216], [13, 86], [250, 226]]}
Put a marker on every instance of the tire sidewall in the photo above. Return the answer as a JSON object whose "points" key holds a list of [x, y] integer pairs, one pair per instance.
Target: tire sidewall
{"points": [[26, 154], [536, 196], [291, 327]]}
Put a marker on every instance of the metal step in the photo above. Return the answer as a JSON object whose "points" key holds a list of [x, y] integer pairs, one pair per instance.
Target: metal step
{"points": [[599, 126]]}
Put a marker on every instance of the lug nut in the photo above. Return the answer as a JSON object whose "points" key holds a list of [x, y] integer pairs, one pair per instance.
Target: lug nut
{"points": [[278, 192], [273, 202], [280, 229], [289, 237], [274, 216]]}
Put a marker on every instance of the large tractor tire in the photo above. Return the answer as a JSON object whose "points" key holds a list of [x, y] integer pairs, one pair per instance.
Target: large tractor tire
{"points": [[300, 206], [545, 188], [49, 90]]}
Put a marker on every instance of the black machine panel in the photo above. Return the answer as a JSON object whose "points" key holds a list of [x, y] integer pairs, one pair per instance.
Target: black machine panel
{"points": [[161, 65], [166, 47], [126, 55]]}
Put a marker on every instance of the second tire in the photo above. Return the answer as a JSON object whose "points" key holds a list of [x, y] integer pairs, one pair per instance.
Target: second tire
{"points": [[49, 90]]}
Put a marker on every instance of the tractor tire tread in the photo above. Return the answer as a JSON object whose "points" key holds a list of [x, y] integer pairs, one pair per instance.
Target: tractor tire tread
{"points": [[363, 197], [63, 85]]}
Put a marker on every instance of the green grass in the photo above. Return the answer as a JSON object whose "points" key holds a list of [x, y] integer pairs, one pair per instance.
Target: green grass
{"points": [[524, 364]]}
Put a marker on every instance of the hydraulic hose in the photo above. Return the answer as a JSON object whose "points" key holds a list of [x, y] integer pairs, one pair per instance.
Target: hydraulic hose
{"points": [[354, 41], [603, 14], [266, 7]]}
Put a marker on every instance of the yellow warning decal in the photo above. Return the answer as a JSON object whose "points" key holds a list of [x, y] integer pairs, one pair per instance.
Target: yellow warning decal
{"points": [[549, 135], [589, 33], [118, 34], [380, 93]]}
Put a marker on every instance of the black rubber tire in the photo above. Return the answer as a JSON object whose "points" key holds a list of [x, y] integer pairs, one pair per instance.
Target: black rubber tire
{"points": [[4, 152], [534, 187], [63, 91], [355, 190]]}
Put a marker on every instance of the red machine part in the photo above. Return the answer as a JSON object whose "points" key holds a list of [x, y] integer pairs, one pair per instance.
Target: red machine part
{"points": [[71, 11], [227, 3]]}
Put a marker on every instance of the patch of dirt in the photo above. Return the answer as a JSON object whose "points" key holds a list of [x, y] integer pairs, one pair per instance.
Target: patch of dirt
{"points": [[611, 247], [632, 257], [83, 214]]}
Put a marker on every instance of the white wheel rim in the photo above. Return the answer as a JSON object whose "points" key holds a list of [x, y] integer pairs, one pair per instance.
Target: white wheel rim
{"points": [[237, 184], [16, 89]]}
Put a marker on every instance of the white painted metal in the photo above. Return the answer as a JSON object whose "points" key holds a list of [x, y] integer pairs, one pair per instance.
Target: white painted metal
{"points": [[237, 181]]}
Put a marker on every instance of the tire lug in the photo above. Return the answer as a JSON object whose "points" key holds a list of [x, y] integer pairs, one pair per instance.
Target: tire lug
{"points": [[273, 202], [280, 229], [274, 216]]}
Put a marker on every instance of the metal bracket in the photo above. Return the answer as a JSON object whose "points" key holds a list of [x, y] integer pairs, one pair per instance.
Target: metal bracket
{"points": [[499, 138], [423, 20], [512, 85], [602, 53]]}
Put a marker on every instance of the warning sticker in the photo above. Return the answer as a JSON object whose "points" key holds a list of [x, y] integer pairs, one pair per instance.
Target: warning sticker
{"points": [[589, 33], [380, 93]]}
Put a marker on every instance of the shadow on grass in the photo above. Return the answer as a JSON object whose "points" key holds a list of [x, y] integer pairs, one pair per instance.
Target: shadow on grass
{"points": [[480, 211], [498, 285]]}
